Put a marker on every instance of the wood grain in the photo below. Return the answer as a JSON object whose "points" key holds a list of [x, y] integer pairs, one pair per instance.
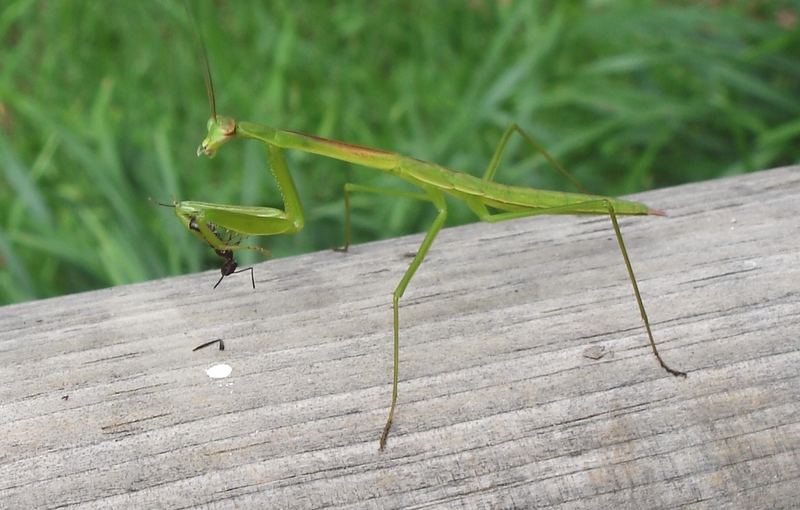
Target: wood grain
{"points": [[502, 402]]}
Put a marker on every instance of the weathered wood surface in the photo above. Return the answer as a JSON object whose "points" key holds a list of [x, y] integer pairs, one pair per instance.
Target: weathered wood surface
{"points": [[103, 403]]}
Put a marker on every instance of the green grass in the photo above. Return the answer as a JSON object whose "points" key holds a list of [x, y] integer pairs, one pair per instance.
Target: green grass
{"points": [[102, 106]]}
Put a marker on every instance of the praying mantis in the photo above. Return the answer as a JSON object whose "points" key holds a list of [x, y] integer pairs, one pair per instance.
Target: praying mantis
{"points": [[489, 200]]}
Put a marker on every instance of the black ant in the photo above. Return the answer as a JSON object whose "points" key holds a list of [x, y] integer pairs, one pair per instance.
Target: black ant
{"points": [[225, 251]]}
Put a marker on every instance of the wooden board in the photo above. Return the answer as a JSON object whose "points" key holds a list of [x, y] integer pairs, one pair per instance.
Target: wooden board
{"points": [[526, 378]]}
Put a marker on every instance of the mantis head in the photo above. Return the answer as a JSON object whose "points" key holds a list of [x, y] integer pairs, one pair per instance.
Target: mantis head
{"points": [[220, 130]]}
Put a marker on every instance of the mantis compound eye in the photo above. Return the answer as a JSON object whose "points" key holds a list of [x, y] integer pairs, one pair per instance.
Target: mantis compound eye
{"points": [[227, 126]]}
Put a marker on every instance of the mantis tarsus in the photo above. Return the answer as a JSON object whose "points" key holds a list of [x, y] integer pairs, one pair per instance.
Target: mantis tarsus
{"points": [[490, 201]]}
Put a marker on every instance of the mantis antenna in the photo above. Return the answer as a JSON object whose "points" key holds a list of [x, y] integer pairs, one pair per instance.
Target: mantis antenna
{"points": [[212, 101]]}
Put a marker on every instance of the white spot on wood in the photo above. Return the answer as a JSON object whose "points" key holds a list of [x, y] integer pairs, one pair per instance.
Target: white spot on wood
{"points": [[220, 371]]}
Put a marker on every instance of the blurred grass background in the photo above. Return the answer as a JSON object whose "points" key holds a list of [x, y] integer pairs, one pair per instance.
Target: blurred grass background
{"points": [[102, 105]]}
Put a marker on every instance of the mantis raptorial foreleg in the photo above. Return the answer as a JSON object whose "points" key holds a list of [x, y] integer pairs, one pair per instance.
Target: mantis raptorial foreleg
{"points": [[210, 233], [205, 219]]}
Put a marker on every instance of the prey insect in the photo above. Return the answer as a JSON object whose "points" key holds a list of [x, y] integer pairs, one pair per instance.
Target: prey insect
{"points": [[222, 246], [489, 200]]}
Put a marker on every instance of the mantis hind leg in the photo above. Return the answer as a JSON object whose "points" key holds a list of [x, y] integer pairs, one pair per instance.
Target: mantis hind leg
{"points": [[501, 147], [639, 302], [485, 215]]}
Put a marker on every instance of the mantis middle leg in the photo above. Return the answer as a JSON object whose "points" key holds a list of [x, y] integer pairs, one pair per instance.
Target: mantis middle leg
{"points": [[437, 199], [351, 187]]}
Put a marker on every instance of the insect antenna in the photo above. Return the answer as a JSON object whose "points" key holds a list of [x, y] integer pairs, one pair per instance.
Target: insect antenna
{"points": [[162, 204], [212, 101]]}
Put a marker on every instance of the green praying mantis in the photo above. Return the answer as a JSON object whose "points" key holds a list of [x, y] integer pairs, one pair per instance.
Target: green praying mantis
{"points": [[490, 201]]}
